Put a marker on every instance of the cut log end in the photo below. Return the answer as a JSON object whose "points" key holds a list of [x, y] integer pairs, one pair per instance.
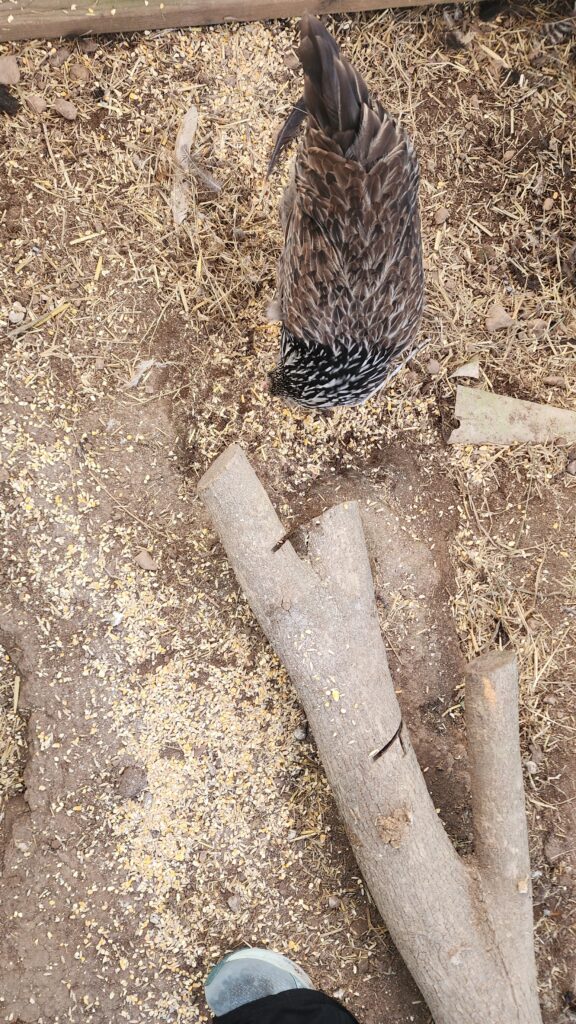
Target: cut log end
{"points": [[229, 457]]}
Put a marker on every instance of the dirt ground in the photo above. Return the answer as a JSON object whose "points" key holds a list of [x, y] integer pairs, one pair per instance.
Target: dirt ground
{"points": [[163, 801]]}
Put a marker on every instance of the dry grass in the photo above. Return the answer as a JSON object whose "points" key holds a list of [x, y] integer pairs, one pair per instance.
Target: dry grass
{"points": [[237, 843]]}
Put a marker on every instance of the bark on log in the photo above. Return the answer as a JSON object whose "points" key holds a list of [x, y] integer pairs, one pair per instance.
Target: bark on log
{"points": [[320, 616], [500, 828]]}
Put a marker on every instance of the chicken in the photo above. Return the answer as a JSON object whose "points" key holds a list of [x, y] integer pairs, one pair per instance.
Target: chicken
{"points": [[350, 277]]}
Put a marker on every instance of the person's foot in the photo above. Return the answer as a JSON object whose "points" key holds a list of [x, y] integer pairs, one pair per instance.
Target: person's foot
{"points": [[249, 974]]}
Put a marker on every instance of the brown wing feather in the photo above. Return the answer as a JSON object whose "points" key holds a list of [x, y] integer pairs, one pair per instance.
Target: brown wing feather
{"points": [[352, 260]]}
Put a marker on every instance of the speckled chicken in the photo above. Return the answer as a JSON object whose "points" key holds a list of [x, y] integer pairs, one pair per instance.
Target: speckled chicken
{"points": [[350, 279]]}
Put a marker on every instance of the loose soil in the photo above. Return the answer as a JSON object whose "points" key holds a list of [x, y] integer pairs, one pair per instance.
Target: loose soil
{"points": [[163, 801]]}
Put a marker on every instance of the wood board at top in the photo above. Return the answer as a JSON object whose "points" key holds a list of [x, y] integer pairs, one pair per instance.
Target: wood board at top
{"points": [[48, 19]]}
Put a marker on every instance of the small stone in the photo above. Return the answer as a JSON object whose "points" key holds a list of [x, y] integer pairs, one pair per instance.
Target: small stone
{"points": [[509, 155], [333, 902], [88, 46], [235, 903], [555, 380], [571, 468], [339, 993], [133, 781], [548, 204], [441, 215], [498, 319], [433, 367], [79, 73], [147, 799], [531, 767], [59, 57], [66, 109], [299, 733], [37, 104], [16, 316], [9, 71], [145, 560]]}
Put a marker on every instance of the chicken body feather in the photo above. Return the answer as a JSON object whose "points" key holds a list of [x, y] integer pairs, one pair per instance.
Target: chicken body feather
{"points": [[350, 278]]}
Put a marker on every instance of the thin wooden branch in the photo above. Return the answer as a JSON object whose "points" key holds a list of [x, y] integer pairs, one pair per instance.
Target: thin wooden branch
{"points": [[45, 19], [501, 833], [319, 614]]}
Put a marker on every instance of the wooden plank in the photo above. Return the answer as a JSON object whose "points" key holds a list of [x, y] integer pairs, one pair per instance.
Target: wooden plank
{"points": [[48, 19]]}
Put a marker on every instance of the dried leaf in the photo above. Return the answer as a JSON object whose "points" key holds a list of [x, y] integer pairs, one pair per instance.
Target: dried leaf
{"points": [[180, 197], [60, 56], [143, 366], [498, 319], [145, 560]]}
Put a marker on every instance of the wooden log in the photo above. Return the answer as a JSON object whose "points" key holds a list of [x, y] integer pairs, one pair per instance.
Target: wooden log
{"points": [[47, 19], [319, 614], [500, 829]]}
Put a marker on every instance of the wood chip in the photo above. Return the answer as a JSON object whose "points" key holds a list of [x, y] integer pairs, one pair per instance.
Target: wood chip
{"points": [[471, 369]]}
